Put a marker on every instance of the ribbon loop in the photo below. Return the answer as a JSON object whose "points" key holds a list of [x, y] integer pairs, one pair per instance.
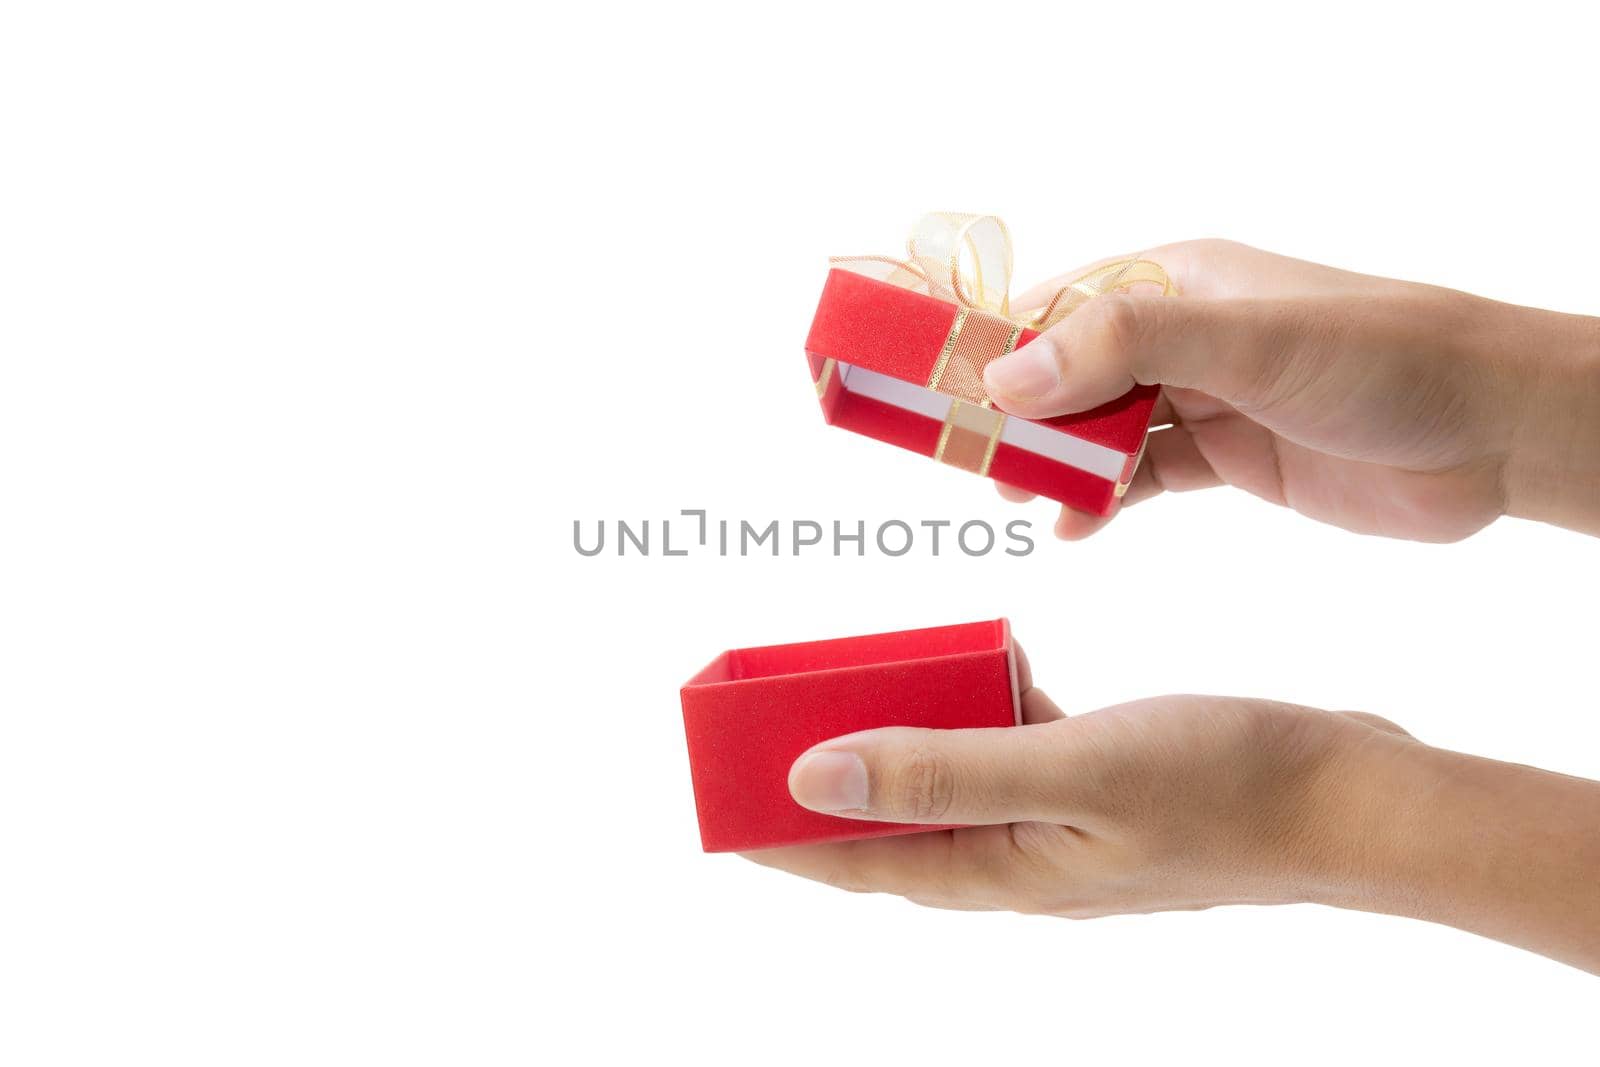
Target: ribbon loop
{"points": [[966, 260]]}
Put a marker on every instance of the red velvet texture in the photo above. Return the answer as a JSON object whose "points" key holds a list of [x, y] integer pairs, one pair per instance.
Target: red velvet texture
{"points": [[894, 331], [752, 712]]}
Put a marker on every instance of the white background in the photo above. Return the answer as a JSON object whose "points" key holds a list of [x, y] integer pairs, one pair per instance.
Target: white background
{"points": [[322, 323]]}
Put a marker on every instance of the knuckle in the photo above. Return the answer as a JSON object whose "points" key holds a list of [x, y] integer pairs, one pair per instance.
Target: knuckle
{"points": [[1298, 344], [1124, 332], [925, 784], [845, 878], [1038, 902], [1120, 322], [1214, 246], [1024, 890], [1034, 845], [1032, 868], [1378, 722]]}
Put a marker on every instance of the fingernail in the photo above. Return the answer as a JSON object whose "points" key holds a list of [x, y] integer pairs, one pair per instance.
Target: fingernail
{"points": [[829, 781], [1029, 372]]}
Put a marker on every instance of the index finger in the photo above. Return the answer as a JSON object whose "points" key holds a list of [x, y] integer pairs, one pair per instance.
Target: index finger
{"points": [[968, 869], [1175, 259]]}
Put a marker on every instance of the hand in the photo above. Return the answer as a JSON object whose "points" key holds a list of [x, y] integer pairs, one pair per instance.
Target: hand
{"points": [[1178, 802], [1188, 802], [1380, 406]]}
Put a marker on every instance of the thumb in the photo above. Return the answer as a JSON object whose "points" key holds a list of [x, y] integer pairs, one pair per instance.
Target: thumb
{"points": [[1230, 349], [901, 774]]}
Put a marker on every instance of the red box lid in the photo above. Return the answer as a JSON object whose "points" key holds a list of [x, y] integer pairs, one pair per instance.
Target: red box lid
{"points": [[895, 331]]}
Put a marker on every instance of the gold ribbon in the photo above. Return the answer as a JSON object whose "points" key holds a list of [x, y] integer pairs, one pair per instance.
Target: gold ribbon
{"points": [[966, 260]]}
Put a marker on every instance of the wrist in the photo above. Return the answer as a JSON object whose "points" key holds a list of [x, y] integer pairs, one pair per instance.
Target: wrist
{"points": [[1552, 469], [1503, 850], [1332, 838], [1352, 839], [1375, 806]]}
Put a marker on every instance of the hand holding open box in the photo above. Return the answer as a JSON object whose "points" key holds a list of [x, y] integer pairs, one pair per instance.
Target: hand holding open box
{"points": [[751, 713]]}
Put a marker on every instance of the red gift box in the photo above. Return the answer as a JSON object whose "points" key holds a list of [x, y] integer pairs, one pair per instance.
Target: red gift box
{"points": [[900, 359], [751, 713]]}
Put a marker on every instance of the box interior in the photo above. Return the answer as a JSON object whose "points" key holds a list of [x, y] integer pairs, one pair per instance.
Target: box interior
{"points": [[1052, 444], [773, 660]]}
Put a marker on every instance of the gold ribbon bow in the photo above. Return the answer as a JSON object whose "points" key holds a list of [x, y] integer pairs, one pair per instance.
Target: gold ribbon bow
{"points": [[966, 260]]}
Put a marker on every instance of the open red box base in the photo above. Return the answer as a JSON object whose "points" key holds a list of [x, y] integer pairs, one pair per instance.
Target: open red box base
{"points": [[751, 713]]}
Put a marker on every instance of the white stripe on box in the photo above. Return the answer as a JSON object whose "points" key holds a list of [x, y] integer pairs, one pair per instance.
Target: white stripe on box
{"points": [[1098, 460]]}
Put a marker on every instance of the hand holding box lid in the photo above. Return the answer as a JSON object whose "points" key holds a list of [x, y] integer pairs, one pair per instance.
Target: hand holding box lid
{"points": [[897, 351]]}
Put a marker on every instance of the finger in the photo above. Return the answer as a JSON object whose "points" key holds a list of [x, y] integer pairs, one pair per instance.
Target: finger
{"points": [[1174, 463], [1191, 405], [1213, 269], [969, 868], [1024, 668], [1142, 488], [901, 774], [1013, 494], [1163, 414], [1377, 722], [1037, 707], [1233, 350], [1038, 296], [1075, 525]]}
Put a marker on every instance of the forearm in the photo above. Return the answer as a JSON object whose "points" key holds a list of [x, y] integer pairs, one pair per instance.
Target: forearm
{"points": [[1502, 850], [1552, 471]]}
